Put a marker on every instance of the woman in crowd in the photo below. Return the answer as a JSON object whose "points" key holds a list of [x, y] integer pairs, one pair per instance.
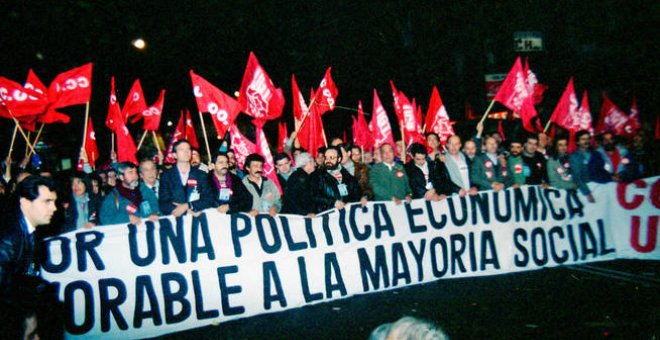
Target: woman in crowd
{"points": [[83, 206]]}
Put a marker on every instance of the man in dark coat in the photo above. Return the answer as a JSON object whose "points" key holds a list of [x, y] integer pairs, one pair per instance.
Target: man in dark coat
{"points": [[428, 179], [297, 198], [34, 207], [184, 188], [228, 190], [332, 186]]}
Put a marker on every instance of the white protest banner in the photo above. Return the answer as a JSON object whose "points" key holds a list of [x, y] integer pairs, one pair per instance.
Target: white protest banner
{"points": [[128, 281]]}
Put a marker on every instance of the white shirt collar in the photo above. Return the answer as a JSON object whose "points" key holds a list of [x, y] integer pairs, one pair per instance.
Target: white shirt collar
{"points": [[30, 227]]}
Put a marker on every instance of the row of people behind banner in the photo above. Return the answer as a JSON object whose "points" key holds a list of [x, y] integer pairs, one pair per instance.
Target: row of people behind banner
{"points": [[341, 174]]}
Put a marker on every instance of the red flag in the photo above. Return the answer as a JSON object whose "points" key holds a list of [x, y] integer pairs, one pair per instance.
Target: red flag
{"points": [[311, 132], [469, 112], [241, 145], [114, 120], [299, 106], [259, 97], [125, 146], [222, 107], [135, 103], [326, 94], [179, 133], [189, 132], [380, 124], [50, 115], [533, 85], [437, 119], [71, 87], [264, 150], [362, 135], [411, 126], [283, 136], [584, 115], [19, 100], [28, 122], [611, 118], [398, 109], [634, 121], [566, 111], [515, 95], [90, 144], [153, 114]]}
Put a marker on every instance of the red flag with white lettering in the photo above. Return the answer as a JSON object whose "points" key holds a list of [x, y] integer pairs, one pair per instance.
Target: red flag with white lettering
{"points": [[611, 118], [411, 126], [16, 99], [380, 125], [326, 94], [135, 103], [634, 121], [50, 116], [222, 107], [91, 148], [71, 87], [264, 150], [437, 119], [114, 120], [566, 111], [398, 110], [189, 132], [179, 133], [533, 85], [514, 94], [152, 114], [242, 146], [258, 95]]}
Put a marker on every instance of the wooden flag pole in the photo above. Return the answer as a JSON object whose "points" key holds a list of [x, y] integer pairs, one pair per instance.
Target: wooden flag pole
{"points": [[547, 126], [36, 140], [20, 129], [492, 102], [309, 108], [13, 138], [28, 145], [206, 138], [112, 145], [144, 135], [85, 124], [153, 133]]}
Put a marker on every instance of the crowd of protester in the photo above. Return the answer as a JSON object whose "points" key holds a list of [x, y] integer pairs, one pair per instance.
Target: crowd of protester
{"points": [[38, 205]]}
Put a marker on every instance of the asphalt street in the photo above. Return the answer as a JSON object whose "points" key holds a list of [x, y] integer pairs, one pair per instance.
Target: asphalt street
{"points": [[617, 299]]}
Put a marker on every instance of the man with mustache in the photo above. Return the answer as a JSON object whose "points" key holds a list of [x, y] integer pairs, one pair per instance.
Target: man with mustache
{"points": [[333, 186], [126, 202], [228, 190], [265, 194], [34, 207]]}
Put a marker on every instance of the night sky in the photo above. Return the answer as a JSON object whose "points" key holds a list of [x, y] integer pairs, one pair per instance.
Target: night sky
{"points": [[607, 46]]}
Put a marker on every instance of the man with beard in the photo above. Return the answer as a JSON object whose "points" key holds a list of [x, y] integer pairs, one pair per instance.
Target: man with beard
{"points": [[587, 165], [618, 161], [184, 188], [332, 186], [229, 192], [534, 163], [559, 167], [297, 198], [389, 179], [515, 163], [125, 203], [232, 165], [265, 194]]}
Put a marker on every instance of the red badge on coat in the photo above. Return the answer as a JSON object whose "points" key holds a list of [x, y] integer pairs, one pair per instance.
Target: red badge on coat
{"points": [[131, 209], [192, 182], [399, 174], [488, 164], [518, 168]]}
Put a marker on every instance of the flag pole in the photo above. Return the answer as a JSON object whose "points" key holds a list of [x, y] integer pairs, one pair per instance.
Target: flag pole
{"points": [[36, 139], [206, 138], [93, 165], [20, 129], [28, 145], [144, 135], [13, 138], [547, 126], [492, 102], [85, 124], [153, 133], [112, 145], [309, 108]]}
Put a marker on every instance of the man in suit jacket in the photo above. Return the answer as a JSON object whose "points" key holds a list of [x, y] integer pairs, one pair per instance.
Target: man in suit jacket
{"points": [[458, 166], [428, 178], [229, 193], [35, 207], [184, 188]]}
